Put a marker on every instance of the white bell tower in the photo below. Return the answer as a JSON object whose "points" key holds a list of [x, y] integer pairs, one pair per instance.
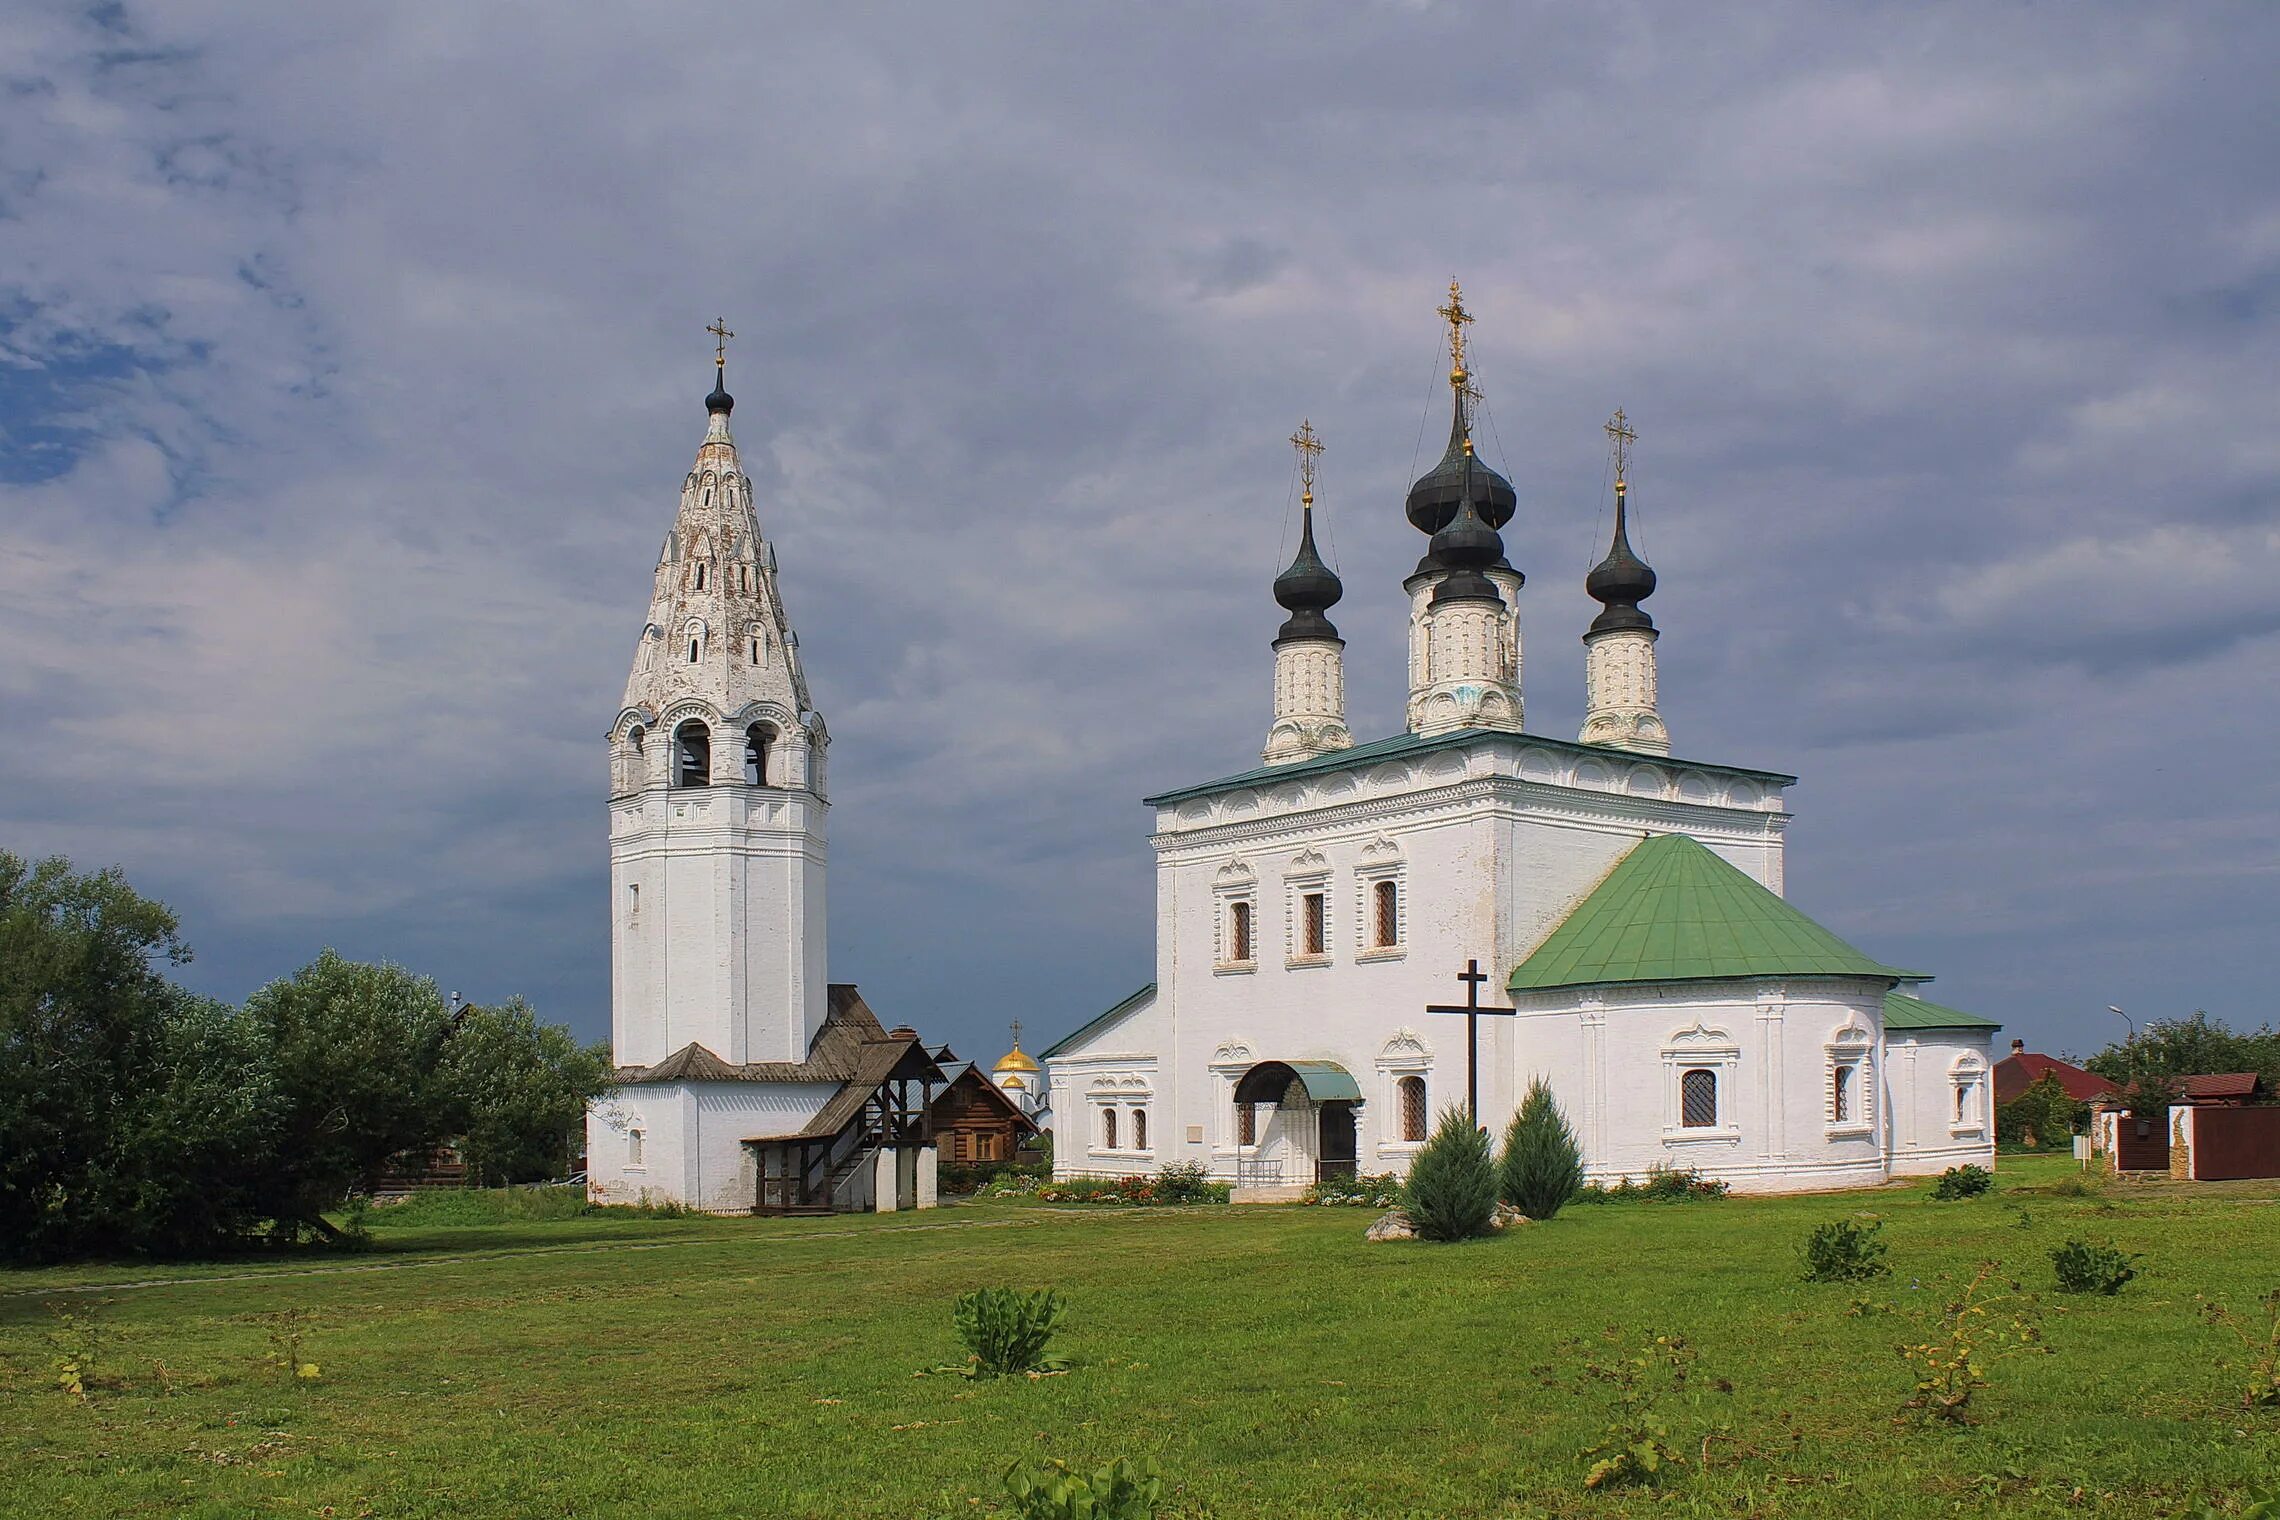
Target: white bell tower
{"points": [[717, 800]]}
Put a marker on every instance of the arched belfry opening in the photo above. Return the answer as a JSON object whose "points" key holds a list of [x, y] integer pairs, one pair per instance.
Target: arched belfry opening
{"points": [[692, 754], [759, 754]]}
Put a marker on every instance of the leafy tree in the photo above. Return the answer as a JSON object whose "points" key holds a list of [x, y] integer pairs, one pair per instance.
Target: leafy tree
{"points": [[518, 1091], [83, 1020], [2046, 1111], [356, 1052], [1451, 1191], [1542, 1166], [2188, 1047]]}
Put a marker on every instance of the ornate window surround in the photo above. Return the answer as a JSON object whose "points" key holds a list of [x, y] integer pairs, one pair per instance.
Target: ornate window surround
{"points": [[1851, 1046], [1308, 872], [1109, 1094], [1404, 1055], [1235, 883], [1967, 1095], [1381, 862], [1228, 1063], [1701, 1048]]}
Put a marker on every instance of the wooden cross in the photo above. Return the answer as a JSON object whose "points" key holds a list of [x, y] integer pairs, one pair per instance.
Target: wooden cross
{"points": [[1620, 433], [1473, 977], [721, 335], [1308, 447]]}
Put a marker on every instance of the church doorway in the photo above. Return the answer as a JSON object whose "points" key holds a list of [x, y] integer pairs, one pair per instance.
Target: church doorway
{"points": [[1335, 1153]]}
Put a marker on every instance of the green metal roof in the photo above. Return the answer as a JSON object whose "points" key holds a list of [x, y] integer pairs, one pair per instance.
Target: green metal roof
{"points": [[1415, 744], [1671, 911], [1904, 1012], [1099, 1024], [1324, 1081]]}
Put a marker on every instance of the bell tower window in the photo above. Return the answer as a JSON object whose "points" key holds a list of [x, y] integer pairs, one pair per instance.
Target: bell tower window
{"points": [[692, 754], [700, 575], [758, 740]]}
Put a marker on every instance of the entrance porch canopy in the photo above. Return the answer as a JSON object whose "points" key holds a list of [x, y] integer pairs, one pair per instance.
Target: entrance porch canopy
{"points": [[1324, 1081]]}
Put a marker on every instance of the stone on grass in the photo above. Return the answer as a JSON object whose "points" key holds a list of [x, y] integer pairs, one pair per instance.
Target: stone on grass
{"points": [[1506, 1216], [1393, 1224]]}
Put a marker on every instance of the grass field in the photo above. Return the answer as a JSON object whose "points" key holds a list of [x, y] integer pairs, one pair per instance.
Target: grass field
{"points": [[1269, 1360]]}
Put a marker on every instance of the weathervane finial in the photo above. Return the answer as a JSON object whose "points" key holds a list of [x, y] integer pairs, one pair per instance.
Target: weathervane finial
{"points": [[1621, 435], [1308, 447], [721, 335]]}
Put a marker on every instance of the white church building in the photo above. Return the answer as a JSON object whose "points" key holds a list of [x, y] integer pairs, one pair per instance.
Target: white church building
{"points": [[1628, 903], [746, 1080]]}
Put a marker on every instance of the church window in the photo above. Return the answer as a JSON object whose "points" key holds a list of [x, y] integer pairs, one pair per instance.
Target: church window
{"points": [[1139, 1129], [633, 902], [1840, 1094], [758, 740], [700, 574], [1412, 1090], [1246, 1124], [1962, 1101], [694, 646], [1239, 931], [1108, 1129], [692, 754], [754, 650], [1385, 903], [633, 1147], [1314, 907], [1698, 1099]]}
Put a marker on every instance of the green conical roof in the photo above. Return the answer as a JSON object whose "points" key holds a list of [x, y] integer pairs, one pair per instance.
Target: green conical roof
{"points": [[1671, 911]]}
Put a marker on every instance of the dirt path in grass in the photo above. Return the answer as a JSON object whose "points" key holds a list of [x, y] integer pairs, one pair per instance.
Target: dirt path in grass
{"points": [[504, 1254]]}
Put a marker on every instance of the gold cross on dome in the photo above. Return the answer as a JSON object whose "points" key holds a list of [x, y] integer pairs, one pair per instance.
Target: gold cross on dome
{"points": [[1308, 447], [721, 335], [1621, 434], [1458, 319], [1017, 1034]]}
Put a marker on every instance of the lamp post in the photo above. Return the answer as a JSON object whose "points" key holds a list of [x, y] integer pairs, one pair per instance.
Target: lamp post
{"points": [[2125, 1018]]}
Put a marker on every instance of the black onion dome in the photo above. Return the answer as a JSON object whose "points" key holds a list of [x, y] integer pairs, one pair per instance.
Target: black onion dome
{"points": [[1620, 581], [1433, 499], [1466, 545], [720, 400], [1308, 589]]}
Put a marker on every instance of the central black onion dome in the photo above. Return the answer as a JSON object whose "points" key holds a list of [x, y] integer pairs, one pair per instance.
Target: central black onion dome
{"points": [[1466, 545], [720, 400], [1620, 581], [1308, 589], [1433, 499]]}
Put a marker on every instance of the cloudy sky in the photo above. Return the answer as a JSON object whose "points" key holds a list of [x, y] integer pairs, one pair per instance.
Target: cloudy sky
{"points": [[350, 358]]}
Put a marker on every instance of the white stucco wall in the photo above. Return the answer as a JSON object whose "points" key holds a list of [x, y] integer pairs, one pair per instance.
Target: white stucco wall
{"points": [[1489, 844], [692, 1135], [1943, 1102]]}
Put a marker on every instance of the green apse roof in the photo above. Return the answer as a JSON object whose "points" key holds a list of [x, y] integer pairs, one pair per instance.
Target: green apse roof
{"points": [[1904, 1012], [1671, 911]]}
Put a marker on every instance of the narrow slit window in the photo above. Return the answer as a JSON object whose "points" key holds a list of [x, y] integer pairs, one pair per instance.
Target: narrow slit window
{"points": [[1108, 1129], [1139, 1129], [1840, 1094], [1698, 1099], [1412, 1108], [633, 901], [694, 644], [633, 1147], [1386, 899], [700, 575]]}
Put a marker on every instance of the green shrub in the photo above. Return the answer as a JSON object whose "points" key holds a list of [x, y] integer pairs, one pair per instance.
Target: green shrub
{"points": [[1964, 1181], [1542, 1166], [1636, 1448], [1375, 1190], [1187, 1182], [517, 1205], [2086, 1268], [1988, 1322], [1006, 1332], [1662, 1184], [2078, 1185], [1845, 1250], [1451, 1192], [1120, 1491], [963, 1177]]}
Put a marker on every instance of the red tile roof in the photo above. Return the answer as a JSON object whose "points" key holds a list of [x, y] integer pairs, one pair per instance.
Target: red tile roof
{"points": [[2020, 1070], [2218, 1085]]}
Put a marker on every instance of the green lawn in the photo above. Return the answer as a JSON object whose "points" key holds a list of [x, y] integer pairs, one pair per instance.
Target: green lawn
{"points": [[1269, 1360]]}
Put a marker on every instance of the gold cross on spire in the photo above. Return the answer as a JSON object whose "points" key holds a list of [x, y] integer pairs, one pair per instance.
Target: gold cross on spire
{"points": [[1458, 319], [721, 335], [1621, 434], [1017, 1034], [1308, 447]]}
